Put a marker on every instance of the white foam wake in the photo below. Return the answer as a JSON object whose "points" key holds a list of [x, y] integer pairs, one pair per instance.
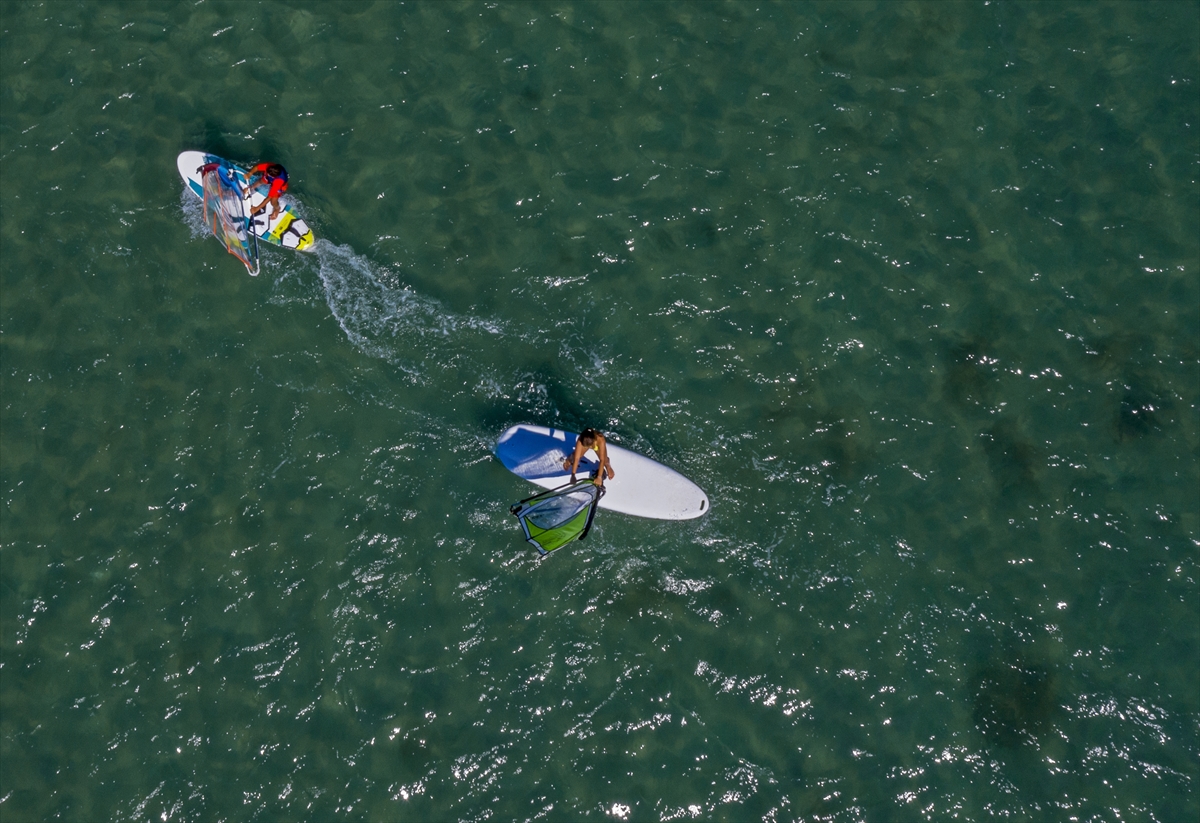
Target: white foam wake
{"points": [[378, 314], [384, 318], [193, 214]]}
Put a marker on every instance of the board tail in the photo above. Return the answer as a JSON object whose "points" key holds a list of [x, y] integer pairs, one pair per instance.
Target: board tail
{"points": [[225, 214], [554, 518]]}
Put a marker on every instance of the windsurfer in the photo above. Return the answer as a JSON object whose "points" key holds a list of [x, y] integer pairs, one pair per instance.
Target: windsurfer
{"points": [[590, 440], [275, 175]]}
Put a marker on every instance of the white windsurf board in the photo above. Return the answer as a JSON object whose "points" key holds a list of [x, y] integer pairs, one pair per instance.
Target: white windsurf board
{"points": [[286, 230], [641, 487]]}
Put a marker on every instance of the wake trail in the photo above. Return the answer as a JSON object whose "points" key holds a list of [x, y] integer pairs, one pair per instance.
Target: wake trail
{"points": [[378, 314], [391, 322], [457, 355]]}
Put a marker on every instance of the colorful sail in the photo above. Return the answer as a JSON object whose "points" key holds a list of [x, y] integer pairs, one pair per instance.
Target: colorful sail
{"points": [[225, 214], [554, 518]]}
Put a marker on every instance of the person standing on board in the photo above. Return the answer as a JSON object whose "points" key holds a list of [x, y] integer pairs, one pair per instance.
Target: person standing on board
{"points": [[275, 175], [590, 439]]}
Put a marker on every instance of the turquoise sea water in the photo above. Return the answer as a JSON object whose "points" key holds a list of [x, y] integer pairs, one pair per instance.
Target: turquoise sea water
{"points": [[910, 289]]}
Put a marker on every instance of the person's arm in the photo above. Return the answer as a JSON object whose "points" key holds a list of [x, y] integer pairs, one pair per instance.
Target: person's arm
{"points": [[605, 466], [252, 181], [273, 202], [572, 462]]}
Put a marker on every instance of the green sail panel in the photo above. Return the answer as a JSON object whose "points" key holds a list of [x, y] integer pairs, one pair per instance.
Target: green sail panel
{"points": [[556, 517]]}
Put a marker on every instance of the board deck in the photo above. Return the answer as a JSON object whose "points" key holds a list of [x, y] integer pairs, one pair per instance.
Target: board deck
{"points": [[642, 487], [287, 230]]}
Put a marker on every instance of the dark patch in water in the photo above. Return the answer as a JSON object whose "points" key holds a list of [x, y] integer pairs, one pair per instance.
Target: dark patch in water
{"points": [[544, 399], [1139, 413], [831, 59], [701, 234], [566, 256], [210, 137], [531, 94], [213, 137], [1011, 456], [970, 372], [641, 594], [828, 437], [663, 241], [411, 755], [1119, 353], [842, 452], [789, 405], [720, 598], [1012, 703]]}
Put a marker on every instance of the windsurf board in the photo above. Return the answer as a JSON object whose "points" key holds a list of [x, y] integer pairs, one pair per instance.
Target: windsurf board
{"points": [[640, 486], [287, 230]]}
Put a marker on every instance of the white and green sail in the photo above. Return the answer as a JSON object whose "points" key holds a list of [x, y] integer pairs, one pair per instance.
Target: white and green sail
{"points": [[554, 518]]}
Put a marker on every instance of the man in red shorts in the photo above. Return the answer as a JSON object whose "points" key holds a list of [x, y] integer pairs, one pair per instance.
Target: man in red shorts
{"points": [[276, 176]]}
